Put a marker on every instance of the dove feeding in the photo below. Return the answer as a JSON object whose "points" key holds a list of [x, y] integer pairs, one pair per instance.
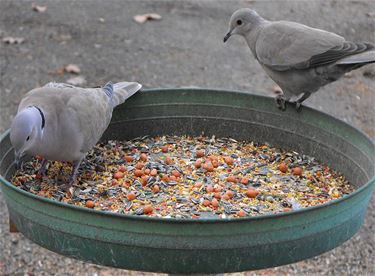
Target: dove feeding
{"points": [[300, 59], [63, 122]]}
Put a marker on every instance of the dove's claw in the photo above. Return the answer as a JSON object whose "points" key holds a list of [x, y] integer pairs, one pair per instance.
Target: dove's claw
{"points": [[298, 106], [280, 102], [43, 168]]}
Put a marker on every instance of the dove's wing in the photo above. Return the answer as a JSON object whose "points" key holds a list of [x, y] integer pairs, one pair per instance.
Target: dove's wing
{"points": [[287, 45], [92, 110]]}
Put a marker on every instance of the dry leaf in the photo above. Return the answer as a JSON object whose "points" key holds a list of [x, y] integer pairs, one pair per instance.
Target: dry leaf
{"points": [[77, 81], [277, 90], [13, 40], [142, 18], [72, 68], [38, 8]]}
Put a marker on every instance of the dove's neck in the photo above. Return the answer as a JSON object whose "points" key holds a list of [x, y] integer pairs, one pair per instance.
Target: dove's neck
{"points": [[252, 36], [37, 120]]}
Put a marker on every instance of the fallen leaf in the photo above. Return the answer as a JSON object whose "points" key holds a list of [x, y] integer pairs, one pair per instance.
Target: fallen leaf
{"points": [[38, 8], [13, 40], [142, 18], [77, 81], [348, 75], [72, 68]]}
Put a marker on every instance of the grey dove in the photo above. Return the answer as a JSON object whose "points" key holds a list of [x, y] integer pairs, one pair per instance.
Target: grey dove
{"points": [[300, 59], [62, 122]]}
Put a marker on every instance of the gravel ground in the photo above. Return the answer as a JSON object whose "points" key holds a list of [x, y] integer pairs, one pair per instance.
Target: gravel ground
{"points": [[183, 49]]}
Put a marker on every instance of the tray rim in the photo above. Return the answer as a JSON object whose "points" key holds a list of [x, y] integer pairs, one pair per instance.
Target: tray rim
{"points": [[365, 186]]}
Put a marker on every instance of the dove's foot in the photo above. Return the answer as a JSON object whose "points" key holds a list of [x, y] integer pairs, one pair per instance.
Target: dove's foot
{"points": [[43, 168], [300, 101], [66, 186], [298, 106], [280, 102]]}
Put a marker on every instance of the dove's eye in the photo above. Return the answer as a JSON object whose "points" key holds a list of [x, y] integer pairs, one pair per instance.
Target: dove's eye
{"points": [[28, 138], [239, 22]]}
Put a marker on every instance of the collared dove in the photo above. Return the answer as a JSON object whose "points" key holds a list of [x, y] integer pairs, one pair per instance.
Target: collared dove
{"points": [[62, 122], [298, 58]]}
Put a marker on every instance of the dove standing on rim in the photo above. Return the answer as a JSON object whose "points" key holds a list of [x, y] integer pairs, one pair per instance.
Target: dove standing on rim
{"points": [[62, 122], [298, 58]]}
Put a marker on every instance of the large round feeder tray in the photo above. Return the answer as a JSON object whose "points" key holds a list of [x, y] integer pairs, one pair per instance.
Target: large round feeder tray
{"points": [[206, 245]]}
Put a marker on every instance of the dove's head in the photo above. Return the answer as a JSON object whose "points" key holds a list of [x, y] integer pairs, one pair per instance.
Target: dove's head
{"points": [[25, 130], [242, 22]]}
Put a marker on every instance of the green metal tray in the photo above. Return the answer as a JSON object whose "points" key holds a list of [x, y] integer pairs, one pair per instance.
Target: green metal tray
{"points": [[206, 245]]}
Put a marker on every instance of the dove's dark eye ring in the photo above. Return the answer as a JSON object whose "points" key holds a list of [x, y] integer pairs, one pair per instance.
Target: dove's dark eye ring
{"points": [[239, 22], [28, 138]]}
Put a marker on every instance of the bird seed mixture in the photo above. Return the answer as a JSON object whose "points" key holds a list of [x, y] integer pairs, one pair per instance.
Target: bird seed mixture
{"points": [[188, 177]]}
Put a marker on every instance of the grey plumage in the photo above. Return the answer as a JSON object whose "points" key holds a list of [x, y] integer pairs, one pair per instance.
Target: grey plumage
{"points": [[300, 59], [74, 119]]}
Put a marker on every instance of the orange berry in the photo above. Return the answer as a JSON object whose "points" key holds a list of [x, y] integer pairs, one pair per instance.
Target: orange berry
{"points": [[143, 157], [129, 158], [154, 172], [225, 197], [198, 184], [122, 169], [176, 173], [173, 178], [209, 167], [229, 193], [139, 165], [318, 173], [215, 202], [198, 163], [229, 160], [297, 171], [131, 196], [147, 171], [144, 180], [209, 189], [214, 158], [118, 175], [165, 178], [287, 210], [252, 193], [164, 148], [200, 153], [206, 202], [168, 160], [231, 179], [148, 209], [217, 188], [244, 181], [241, 213], [283, 167], [217, 195], [156, 188], [215, 163], [90, 204], [138, 173]]}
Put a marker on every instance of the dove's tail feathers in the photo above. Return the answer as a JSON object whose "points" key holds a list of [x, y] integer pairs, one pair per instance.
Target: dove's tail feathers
{"points": [[108, 89], [359, 59], [124, 90]]}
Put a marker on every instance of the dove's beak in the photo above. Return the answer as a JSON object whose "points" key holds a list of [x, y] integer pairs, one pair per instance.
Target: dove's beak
{"points": [[18, 160], [227, 36]]}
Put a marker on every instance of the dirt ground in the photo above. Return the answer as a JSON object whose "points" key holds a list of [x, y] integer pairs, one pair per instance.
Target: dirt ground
{"points": [[185, 48]]}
